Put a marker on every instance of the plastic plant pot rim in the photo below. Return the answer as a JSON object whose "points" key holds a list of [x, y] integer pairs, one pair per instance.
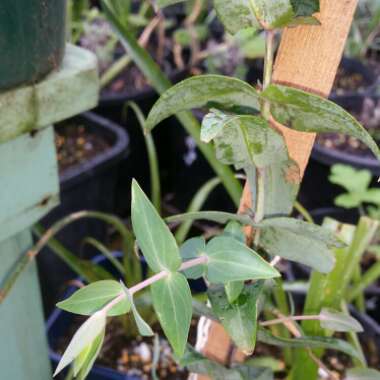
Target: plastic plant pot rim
{"points": [[100, 162], [109, 99], [330, 157]]}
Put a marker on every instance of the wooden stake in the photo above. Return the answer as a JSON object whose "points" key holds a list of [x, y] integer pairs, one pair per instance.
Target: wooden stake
{"points": [[308, 58]]}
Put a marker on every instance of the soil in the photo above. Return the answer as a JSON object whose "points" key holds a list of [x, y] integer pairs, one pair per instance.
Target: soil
{"points": [[369, 117], [348, 82], [75, 145]]}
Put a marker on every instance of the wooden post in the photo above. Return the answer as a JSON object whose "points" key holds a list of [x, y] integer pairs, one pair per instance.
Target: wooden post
{"points": [[29, 188], [308, 58]]}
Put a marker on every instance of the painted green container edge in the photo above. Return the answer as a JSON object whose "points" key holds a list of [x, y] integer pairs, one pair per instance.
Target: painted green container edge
{"points": [[32, 40]]}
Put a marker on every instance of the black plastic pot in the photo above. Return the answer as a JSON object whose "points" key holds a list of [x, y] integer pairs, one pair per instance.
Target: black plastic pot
{"points": [[32, 39], [316, 190], [354, 66], [87, 186]]}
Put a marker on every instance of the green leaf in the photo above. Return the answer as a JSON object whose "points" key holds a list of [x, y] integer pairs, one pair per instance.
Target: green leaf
{"points": [[233, 290], [235, 230], [305, 8], [349, 200], [306, 112], [248, 372], [247, 141], [153, 235], [197, 92], [266, 337], [172, 302], [250, 43], [197, 363], [142, 326], [273, 13], [336, 321], [84, 362], [166, 3], [235, 15], [192, 249], [372, 196], [85, 335], [185, 37], [93, 297], [214, 216], [299, 241], [230, 260], [240, 317], [282, 180], [305, 229], [362, 374], [354, 181]]}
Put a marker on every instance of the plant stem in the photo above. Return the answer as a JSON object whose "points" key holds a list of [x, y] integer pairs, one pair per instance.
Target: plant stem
{"points": [[353, 338], [29, 256], [268, 68], [265, 112], [260, 201], [357, 279], [302, 210], [152, 157], [151, 280], [291, 318], [114, 70], [369, 277], [195, 205], [161, 83]]}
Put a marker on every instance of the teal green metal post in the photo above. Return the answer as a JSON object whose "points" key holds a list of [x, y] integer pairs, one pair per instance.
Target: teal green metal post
{"points": [[29, 188]]}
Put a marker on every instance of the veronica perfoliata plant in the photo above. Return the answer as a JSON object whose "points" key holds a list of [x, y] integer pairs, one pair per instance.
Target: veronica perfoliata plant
{"points": [[244, 288]]}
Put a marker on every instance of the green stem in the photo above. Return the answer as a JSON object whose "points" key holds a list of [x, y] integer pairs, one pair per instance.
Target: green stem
{"points": [[114, 70], [152, 157], [30, 255], [268, 69], [106, 253], [161, 83], [265, 112], [260, 201], [302, 211], [359, 299], [368, 278], [195, 205], [354, 340], [281, 300]]}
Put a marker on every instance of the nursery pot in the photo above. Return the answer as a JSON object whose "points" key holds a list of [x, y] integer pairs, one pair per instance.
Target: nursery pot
{"points": [[354, 67], [89, 185], [316, 190], [32, 39]]}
